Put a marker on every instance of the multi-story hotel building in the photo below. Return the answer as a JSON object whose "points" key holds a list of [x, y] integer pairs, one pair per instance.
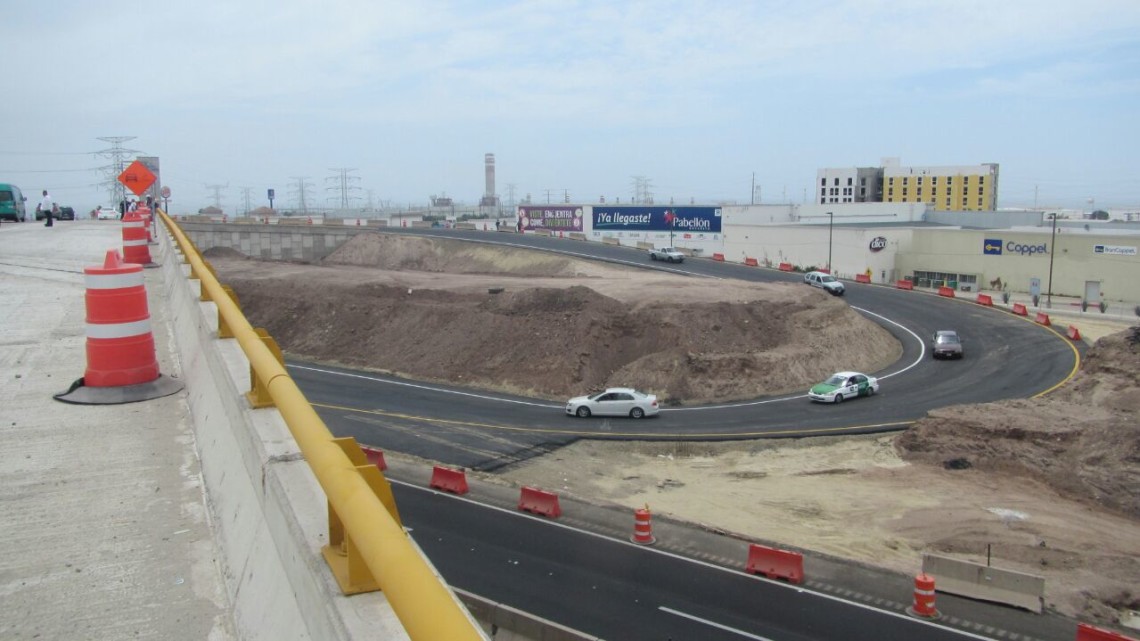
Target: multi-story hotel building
{"points": [[952, 188]]}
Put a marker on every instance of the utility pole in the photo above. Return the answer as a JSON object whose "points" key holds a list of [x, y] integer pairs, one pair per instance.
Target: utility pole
{"points": [[753, 188], [511, 195], [342, 182], [118, 155]]}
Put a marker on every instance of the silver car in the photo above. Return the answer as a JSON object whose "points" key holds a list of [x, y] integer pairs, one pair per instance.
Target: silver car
{"points": [[946, 344], [615, 401]]}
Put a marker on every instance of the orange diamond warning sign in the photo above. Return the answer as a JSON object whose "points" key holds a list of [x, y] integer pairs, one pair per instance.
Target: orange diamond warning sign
{"points": [[137, 178]]}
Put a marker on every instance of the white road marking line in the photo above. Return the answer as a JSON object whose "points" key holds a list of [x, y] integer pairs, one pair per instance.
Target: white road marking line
{"points": [[713, 624]]}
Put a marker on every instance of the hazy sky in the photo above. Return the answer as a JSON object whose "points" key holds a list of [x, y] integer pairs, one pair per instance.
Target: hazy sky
{"points": [[577, 97]]}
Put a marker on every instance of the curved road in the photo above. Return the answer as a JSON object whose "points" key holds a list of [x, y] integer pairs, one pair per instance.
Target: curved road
{"points": [[1006, 357]]}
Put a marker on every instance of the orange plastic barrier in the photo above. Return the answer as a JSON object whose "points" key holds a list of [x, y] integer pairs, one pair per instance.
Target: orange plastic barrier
{"points": [[775, 564], [449, 480], [375, 457], [642, 527], [904, 284], [1086, 632], [1043, 319], [946, 291], [985, 299], [923, 598], [719, 257], [751, 262], [537, 501], [1019, 309], [862, 278], [135, 249], [1074, 333], [785, 267], [122, 365]]}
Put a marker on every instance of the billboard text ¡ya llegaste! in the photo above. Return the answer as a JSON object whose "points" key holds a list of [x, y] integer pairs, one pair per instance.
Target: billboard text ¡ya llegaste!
{"points": [[656, 218]]}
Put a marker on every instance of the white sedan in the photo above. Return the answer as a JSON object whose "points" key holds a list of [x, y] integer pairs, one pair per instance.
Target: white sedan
{"points": [[844, 385], [106, 213], [615, 401]]}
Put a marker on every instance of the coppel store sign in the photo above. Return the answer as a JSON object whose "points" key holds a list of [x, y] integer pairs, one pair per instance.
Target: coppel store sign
{"points": [[995, 247]]}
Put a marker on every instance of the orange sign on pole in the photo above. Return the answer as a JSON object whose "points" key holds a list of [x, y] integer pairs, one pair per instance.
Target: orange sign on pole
{"points": [[137, 178]]}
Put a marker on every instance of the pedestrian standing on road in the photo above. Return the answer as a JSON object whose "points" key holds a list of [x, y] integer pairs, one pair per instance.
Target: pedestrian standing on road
{"points": [[46, 206]]}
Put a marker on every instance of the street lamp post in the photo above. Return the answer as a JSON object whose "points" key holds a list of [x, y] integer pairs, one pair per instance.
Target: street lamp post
{"points": [[1052, 250], [830, 228]]}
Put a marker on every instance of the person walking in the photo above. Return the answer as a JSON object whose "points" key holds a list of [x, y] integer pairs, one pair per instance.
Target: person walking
{"points": [[46, 206]]}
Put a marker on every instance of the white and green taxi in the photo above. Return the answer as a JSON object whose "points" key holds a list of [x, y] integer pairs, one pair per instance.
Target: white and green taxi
{"points": [[843, 385]]}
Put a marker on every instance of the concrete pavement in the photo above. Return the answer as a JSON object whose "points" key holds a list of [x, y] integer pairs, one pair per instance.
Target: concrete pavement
{"points": [[104, 532]]}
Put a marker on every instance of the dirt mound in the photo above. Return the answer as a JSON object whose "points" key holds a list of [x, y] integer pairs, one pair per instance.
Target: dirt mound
{"points": [[1083, 441], [441, 255], [551, 326]]}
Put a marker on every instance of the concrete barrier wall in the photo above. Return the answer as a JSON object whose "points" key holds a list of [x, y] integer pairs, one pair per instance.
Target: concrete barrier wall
{"points": [[504, 623], [268, 513], [292, 242], [986, 583]]}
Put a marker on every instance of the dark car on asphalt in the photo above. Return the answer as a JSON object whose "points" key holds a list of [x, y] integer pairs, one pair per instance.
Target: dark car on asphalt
{"points": [[946, 344]]}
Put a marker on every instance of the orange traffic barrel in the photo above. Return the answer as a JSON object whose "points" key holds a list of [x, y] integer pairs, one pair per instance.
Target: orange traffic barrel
{"points": [[923, 598], [135, 249], [642, 527], [121, 363]]}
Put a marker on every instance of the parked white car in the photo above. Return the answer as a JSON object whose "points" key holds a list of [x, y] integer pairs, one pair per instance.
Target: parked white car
{"points": [[615, 401]]}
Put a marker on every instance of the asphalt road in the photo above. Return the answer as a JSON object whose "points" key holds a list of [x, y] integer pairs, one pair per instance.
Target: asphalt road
{"points": [[1006, 357], [614, 589]]}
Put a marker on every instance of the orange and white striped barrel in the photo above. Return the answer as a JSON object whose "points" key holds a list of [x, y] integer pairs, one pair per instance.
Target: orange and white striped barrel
{"points": [[120, 344], [642, 527], [148, 221], [923, 597], [135, 249]]}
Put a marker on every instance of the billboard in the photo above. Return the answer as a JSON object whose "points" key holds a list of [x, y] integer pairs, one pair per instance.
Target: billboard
{"points": [[550, 217], [697, 220]]}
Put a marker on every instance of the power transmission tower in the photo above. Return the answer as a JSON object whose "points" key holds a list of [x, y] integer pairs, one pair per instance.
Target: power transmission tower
{"points": [[245, 192], [299, 187], [641, 193], [343, 183], [118, 155], [217, 189], [511, 195]]}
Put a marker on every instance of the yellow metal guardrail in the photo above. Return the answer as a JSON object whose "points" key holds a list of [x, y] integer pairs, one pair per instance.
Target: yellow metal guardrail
{"points": [[424, 605]]}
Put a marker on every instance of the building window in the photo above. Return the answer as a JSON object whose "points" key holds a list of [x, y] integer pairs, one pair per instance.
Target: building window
{"points": [[822, 182], [850, 180], [863, 181], [934, 180], [934, 191], [863, 191], [979, 203], [836, 182], [905, 181], [904, 191], [920, 191], [920, 180], [965, 180], [947, 202], [823, 191], [949, 180], [982, 179], [891, 191]]}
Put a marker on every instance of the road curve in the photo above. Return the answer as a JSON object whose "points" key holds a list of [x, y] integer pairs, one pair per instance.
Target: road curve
{"points": [[1007, 357]]}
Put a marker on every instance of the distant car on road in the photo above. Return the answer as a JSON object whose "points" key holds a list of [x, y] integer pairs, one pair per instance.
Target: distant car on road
{"points": [[825, 281], [668, 254], [106, 213], [946, 343], [66, 213], [615, 401], [844, 385]]}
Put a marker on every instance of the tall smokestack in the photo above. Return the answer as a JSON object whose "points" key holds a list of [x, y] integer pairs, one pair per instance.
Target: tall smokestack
{"points": [[489, 168], [489, 198]]}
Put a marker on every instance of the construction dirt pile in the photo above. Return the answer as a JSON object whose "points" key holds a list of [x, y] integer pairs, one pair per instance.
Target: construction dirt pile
{"points": [[1049, 486], [549, 326]]}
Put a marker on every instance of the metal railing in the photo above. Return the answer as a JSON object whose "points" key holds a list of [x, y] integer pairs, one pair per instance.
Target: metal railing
{"points": [[423, 603]]}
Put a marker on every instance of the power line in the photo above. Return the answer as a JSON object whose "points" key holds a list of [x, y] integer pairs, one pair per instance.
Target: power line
{"points": [[344, 186], [299, 189]]}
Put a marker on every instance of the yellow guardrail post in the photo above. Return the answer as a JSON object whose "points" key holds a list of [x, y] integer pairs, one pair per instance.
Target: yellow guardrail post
{"points": [[425, 606]]}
